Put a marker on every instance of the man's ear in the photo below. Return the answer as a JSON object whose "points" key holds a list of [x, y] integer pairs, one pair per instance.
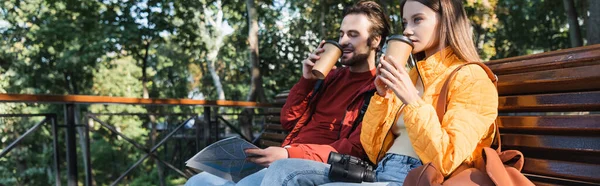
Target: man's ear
{"points": [[375, 42]]}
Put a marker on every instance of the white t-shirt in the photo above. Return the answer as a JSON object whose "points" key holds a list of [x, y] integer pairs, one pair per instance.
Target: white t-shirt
{"points": [[402, 144]]}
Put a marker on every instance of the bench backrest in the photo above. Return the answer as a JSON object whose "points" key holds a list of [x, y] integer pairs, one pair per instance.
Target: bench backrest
{"points": [[273, 134], [549, 109]]}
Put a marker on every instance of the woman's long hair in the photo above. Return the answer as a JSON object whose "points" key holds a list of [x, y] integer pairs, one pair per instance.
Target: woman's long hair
{"points": [[455, 28]]}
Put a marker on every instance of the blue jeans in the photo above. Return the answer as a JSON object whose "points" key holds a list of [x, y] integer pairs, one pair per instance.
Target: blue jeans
{"points": [[391, 170], [207, 179]]}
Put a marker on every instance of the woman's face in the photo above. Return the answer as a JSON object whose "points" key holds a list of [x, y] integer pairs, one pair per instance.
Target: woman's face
{"points": [[421, 26]]}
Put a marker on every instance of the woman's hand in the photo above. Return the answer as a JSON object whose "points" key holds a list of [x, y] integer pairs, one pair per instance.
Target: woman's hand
{"points": [[395, 77], [379, 84]]}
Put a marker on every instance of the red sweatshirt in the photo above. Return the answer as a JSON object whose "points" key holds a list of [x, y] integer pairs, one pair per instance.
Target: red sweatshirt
{"points": [[324, 123]]}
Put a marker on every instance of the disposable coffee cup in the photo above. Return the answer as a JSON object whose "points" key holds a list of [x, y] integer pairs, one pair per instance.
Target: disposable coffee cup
{"points": [[400, 48], [333, 52]]}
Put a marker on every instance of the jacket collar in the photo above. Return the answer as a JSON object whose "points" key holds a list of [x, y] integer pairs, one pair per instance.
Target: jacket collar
{"points": [[434, 66]]}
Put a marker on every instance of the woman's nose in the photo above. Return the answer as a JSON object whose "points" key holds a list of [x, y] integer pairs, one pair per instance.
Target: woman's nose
{"points": [[407, 32]]}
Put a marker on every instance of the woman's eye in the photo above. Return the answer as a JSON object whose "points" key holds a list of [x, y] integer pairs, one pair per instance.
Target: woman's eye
{"points": [[418, 20]]}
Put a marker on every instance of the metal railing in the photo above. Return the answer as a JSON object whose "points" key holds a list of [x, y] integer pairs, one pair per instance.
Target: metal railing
{"points": [[206, 128], [49, 119]]}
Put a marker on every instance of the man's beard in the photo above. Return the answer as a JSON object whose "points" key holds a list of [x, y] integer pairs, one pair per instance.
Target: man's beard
{"points": [[356, 58]]}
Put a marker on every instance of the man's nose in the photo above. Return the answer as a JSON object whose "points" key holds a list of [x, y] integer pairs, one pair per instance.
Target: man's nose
{"points": [[343, 40]]}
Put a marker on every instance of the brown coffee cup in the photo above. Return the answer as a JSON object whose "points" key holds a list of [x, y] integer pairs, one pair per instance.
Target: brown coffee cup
{"points": [[333, 52], [399, 47]]}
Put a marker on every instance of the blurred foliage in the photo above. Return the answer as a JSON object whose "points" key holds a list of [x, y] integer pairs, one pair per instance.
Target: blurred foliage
{"points": [[103, 47]]}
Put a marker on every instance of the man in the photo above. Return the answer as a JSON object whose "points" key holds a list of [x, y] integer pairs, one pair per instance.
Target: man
{"points": [[326, 118]]}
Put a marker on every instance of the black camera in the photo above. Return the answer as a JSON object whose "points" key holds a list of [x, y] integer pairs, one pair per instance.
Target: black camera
{"points": [[346, 168]]}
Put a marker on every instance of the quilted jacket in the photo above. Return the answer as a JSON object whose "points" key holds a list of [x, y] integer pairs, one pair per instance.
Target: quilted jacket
{"points": [[465, 128]]}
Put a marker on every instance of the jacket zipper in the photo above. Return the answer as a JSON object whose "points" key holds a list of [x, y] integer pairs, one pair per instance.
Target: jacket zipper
{"points": [[397, 112], [419, 77], [388, 132]]}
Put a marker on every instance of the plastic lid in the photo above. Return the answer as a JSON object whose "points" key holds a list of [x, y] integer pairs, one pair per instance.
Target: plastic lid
{"points": [[334, 43], [400, 38]]}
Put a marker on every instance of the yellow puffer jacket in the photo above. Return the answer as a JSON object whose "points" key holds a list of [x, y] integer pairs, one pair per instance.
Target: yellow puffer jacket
{"points": [[465, 129]]}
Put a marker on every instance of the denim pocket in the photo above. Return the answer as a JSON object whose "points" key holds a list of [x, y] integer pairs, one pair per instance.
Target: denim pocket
{"points": [[394, 168]]}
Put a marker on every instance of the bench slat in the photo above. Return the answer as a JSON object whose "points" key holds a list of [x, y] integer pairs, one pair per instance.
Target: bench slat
{"points": [[273, 136], [267, 143], [281, 97], [273, 111], [549, 81], [563, 102], [553, 181], [562, 169], [573, 143], [580, 124], [274, 127], [548, 60], [273, 119]]}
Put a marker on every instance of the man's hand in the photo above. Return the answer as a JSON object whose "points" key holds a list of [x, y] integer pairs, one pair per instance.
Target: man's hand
{"points": [[266, 156], [309, 62]]}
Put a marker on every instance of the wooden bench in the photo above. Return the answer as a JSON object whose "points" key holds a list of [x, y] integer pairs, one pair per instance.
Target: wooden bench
{"points": [[549, 109], [273, 134]]}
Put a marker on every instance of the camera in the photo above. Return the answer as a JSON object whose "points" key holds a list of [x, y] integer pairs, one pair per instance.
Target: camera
{"points": [[346, 168]]}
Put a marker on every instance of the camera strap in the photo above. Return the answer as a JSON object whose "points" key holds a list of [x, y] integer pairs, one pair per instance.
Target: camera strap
{"points": [[363, 109]]}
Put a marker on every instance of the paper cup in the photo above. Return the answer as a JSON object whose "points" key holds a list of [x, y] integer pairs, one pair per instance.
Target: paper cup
{"points": [[333, 52], [400, 48]]}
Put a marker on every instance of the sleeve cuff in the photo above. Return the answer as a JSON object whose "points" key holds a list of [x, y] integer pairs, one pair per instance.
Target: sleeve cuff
{"points": [[377, 99], [295, 152], [416, 105]]}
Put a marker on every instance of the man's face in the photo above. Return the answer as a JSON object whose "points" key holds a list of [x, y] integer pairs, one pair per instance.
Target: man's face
{"points": [[354, 36]]}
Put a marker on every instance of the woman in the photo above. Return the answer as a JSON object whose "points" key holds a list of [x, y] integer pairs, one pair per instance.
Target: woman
{"points": [[401, 124]]}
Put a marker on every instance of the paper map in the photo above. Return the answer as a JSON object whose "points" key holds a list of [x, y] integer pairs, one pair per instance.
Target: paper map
{"points": [[226, 159]]}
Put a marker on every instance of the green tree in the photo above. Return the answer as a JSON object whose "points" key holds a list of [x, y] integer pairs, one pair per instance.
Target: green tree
{"points": [[530, 26], [593, 22]]}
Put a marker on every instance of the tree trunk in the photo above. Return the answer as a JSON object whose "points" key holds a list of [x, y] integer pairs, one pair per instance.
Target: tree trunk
{"points": [[216, 79], [574, 30], [384, 5], [146, 94], [256, 89], [593, 22], [214, 44]]}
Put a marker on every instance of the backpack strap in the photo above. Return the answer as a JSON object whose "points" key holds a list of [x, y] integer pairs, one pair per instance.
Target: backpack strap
{"points": [[316, 89], [443, 99], [363, 109]]}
